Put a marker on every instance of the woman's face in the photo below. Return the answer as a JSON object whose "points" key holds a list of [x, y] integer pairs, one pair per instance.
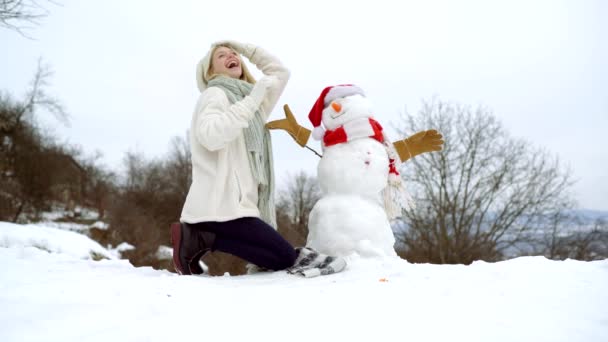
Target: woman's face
{"points": [[226, 61]]}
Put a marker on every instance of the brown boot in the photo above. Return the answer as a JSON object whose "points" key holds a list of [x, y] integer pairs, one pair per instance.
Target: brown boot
{"points": [[190, 244]]}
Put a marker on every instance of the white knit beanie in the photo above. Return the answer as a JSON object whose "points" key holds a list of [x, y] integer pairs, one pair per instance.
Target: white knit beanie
{"points": [[202, 70]]}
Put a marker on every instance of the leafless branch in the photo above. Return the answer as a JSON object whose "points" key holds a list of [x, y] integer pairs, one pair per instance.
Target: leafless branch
{"points": [[22, 15], [37, 96]]}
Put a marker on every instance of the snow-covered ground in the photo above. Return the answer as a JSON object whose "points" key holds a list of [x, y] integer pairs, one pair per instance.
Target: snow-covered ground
{"points": [[50, 292], [52, 240]]}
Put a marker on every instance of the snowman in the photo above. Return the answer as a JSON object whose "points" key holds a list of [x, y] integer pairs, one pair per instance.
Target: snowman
{"points": [[361, 188], [357, 162]]}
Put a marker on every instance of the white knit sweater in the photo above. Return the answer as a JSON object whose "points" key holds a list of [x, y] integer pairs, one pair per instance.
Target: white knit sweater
{"points": [[222, 186]]}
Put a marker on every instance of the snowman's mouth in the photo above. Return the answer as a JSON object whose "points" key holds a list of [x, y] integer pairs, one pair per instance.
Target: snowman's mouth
{"points": [[335, 115]]}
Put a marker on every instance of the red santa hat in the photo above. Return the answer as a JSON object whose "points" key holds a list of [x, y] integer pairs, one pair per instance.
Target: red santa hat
{"points": [[327, 96]]}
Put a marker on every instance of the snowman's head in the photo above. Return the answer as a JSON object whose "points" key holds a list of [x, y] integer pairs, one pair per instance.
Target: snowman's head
{"points": [[344, 109], [337, 105]]}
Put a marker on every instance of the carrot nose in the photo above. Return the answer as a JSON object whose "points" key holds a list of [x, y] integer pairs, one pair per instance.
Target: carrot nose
{"points": [[336, 106]]}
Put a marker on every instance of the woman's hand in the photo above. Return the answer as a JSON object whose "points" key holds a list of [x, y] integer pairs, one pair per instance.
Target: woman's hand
{"points": [[244, 49], [259, 89]]}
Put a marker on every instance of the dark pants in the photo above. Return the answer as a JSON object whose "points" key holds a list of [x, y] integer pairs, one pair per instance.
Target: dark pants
{"points": [[251, 239]]}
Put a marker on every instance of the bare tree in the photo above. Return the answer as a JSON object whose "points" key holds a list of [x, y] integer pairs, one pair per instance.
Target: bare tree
{"points": [[20, 15], [100, 184], [294, 206], [27, 156], [580, 240], [37, 98], [142, 209], [179, 166], [551, 239], [482, 194], [149, 199]]}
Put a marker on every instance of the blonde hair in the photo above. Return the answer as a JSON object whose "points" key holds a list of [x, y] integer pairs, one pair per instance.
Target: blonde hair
{"points": [[245, 74]]}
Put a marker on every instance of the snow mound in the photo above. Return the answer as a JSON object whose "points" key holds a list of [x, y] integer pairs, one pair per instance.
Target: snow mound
{"points": [[51, 240]]}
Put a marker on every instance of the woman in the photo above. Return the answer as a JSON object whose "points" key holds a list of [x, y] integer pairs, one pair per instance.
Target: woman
{"points": [[230, 204]]}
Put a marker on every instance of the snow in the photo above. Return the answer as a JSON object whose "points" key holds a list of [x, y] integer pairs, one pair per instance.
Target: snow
{"points": [[122, 247], [71, 226], [50, 240], [53, 215], [55, 219], [359, 167], [345, 224], [164, 253], [100, 225], [59, 212], [61, 297]]}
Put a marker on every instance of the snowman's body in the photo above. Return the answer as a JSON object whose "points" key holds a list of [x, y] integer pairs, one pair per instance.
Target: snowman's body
{"points": [[350, 218], [358, 167]]}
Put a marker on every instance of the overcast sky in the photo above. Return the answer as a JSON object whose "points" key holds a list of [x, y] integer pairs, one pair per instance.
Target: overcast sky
{"points": [[125, 69]]}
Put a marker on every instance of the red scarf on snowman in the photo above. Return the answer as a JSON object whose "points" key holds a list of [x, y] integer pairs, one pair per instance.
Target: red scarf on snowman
{"points": [[395, 196]]}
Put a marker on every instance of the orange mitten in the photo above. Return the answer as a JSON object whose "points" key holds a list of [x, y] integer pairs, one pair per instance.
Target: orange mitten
{"points": [[423, 141], [291, 126]]}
